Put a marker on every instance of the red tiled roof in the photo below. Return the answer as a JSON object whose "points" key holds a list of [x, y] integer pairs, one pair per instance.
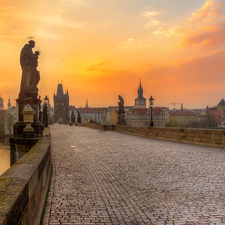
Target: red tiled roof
{"points": [[221, 103], [157, 110], [182, 113], [140, 111]]}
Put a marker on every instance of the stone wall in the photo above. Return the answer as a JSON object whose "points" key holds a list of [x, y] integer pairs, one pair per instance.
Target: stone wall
{"points": [[213, 137], [23, 187]]}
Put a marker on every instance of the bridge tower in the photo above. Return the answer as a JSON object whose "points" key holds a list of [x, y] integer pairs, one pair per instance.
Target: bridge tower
{"points": [[61, 106]]}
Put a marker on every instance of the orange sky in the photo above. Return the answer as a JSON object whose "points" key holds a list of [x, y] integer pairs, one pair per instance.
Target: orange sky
{"points": [[100, 49]]}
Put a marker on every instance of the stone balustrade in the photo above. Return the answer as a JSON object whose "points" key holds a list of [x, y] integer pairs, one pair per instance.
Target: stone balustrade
{"points": [[23, 186], [213, 137]]}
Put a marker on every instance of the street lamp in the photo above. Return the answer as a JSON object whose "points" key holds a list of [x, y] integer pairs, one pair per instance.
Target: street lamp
{"points": [[46, 100], [151, 100], [45, 111]]}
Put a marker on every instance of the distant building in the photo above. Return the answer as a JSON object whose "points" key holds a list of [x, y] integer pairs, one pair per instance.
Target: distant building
{"points": [[183, 118], [221, 112], [61, 106], [142, 117], [108, 118], [113, 118], [217, 112], [73, 108], [2, 122], [139, 115], [11, 117], [95, 114], [92, 113], [50, 110]]}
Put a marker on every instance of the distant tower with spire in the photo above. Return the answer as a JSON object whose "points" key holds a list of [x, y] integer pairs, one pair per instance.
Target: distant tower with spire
{"points": [[86, 104], [9, 104], [140, 101], [61, 105]]}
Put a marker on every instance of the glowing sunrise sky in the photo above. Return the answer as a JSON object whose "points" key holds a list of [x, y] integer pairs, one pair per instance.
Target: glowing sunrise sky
{"points": [[101, 48]]}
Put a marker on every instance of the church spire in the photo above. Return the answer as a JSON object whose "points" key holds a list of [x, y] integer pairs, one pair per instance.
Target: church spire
{"points": [[9, 104], [86, 104], [140, 101], [140, 91]]}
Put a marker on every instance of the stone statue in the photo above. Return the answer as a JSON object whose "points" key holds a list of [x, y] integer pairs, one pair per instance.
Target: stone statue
{"points": [[121, 112], [121, 105], [30, 74], [72, 117], [79, 117]]}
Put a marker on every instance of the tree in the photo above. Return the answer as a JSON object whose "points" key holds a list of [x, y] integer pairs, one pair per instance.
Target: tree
{"points": [[168, 124], [210, 120]]}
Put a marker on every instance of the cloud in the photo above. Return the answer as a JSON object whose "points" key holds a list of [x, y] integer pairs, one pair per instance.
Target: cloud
{"points": [[77, 2], [53, 19], [47, 34], [19, 19], [130, 41], [208, 13], [97, 66], [149, 16], [205, 27], [159, 31]]}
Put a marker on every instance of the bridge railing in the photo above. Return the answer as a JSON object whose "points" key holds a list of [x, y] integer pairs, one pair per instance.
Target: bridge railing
{"points": [[23, 186], [196, 136]]}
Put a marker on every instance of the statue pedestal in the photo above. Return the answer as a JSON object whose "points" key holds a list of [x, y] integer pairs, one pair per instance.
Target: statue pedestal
{"points": [[121, 119], [36, 125]]}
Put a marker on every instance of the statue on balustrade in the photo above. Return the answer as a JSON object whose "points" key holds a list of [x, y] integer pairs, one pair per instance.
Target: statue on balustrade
{"points": [[121, 112], [79, 117], [72, 117], [30, 74], [28, 90]]}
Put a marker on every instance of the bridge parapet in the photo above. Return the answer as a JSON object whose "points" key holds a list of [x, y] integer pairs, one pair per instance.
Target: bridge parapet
{"points": [[212, 137], [23, 187]]}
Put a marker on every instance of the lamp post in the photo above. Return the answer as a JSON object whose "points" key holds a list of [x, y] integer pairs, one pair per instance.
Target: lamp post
{"points": [[46, 100], [45, 111], [151, 100]]}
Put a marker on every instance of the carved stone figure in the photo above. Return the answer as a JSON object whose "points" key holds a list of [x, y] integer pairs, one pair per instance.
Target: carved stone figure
{"points": [[72, 117], [121, 105], [121, 112], [79, 117], [30, 74]]}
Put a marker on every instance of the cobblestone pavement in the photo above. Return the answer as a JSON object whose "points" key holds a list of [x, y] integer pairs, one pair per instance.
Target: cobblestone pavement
{"points": [[112, 178]]}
